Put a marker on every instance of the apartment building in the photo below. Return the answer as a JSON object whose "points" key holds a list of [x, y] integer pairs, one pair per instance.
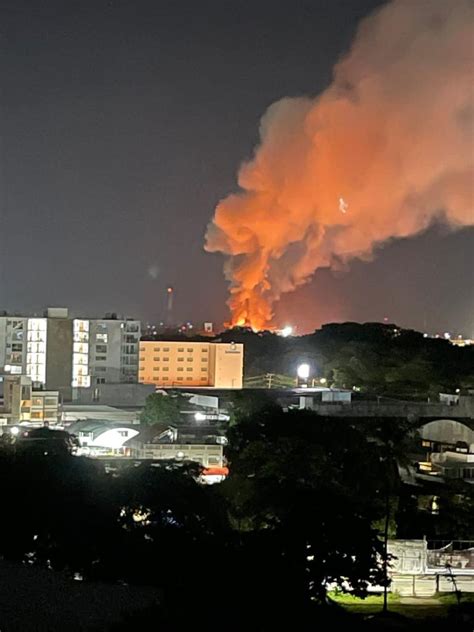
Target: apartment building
{"points": [[113, 350], [22, 403], [61, 353], [185, 364]]}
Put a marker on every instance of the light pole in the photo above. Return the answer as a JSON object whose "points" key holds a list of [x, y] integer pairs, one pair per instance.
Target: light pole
{"points": [[303, 372]]}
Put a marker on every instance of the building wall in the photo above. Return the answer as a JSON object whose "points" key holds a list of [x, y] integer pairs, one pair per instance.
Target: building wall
{"points": [[228, 364], [208, 455], [13, 344], [175, 364], [59, 348], [113, 351], [129, 395]]}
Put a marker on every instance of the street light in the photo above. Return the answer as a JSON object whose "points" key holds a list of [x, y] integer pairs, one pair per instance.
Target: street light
{"points": [[303, 371]]}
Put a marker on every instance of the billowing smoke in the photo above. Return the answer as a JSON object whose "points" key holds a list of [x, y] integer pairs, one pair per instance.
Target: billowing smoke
{"points": [[384, 150]]}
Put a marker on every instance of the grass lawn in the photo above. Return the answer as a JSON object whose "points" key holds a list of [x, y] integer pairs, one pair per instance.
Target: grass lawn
{"points": [[426, 608]]}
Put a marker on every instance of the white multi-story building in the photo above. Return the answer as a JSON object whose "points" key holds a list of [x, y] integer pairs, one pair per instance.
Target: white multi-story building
{"points": [[58, 352], [113, 350]]}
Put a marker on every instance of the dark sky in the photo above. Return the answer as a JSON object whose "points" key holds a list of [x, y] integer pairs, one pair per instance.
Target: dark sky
{"points": [[122, 125]]}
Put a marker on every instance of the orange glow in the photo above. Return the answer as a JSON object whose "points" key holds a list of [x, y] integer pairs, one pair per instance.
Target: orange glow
{"points": [[376, 156]]}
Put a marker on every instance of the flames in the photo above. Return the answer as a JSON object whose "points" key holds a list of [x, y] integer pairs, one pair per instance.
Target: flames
{"points": [[382, 151]]}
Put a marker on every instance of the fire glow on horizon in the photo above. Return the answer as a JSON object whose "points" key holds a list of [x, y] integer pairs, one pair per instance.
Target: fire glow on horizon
{"points": [[376, 156]]}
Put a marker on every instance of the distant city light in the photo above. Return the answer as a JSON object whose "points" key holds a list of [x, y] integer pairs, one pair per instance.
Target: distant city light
{"points": [[303, 371], [200, 417], [447, 335], [15, 430], [287, 331]]}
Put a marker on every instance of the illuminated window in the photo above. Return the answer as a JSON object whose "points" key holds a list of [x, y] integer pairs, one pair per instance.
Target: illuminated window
{"points": [[101, 337]]}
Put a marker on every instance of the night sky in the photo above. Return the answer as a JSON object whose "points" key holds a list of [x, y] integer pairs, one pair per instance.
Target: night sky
{"points": [[123, 123]]}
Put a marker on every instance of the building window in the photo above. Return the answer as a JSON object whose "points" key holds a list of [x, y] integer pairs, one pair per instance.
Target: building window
{"points": [[123, 433], [156, 368], [36, 415], [189, 359], [142, 368], [142, 348], [189, 368], [100, 380], [142, 359], [180, 368], [180, 349], [166, 359], [204, 350], [203, 379], [180, 359], [166, 368], [166, 349], [101, 369], [204, 368], [101, 337], [156, 349], [101, 348], [156, 359], [101, 358], [180, 379], [50, 401], [189, 350], [189, 379], [204, 359]]}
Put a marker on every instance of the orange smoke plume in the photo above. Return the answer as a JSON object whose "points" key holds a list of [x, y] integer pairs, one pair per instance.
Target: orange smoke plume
{"points": [[378, 155]]}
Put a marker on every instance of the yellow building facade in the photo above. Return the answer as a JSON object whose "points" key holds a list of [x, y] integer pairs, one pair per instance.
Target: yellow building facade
{"points": [[186, 364]]}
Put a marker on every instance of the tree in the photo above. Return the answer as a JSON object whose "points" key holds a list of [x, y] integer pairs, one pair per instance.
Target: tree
{"points": [[161, 408], [313, 485]]}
